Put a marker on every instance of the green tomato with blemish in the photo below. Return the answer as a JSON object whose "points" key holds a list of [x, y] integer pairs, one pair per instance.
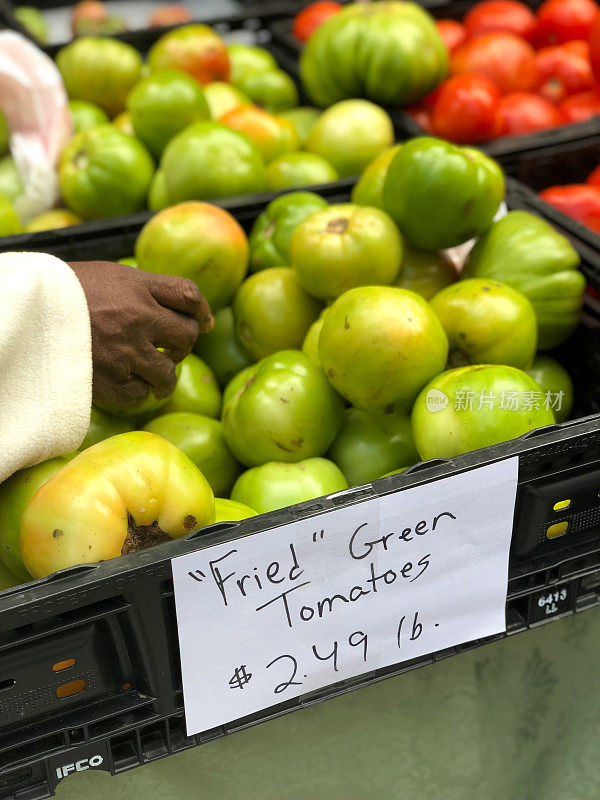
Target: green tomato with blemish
{"points": [[441, 195]]}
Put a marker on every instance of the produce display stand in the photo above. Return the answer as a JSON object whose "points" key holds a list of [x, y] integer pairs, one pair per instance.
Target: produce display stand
{"points": [[207, 11], [533, 158], [117, 619]]}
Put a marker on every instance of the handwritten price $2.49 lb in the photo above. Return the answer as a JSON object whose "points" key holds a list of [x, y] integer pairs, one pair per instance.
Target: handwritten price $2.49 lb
{"points": [[409, 627]]}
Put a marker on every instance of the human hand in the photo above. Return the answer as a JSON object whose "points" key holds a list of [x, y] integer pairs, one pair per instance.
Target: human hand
{"points": [[133, 313]]}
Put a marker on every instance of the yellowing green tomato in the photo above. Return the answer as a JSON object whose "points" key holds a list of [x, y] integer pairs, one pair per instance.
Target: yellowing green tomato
{"points": [[10, 223], [223, 97], [220, 348], [369, 445], [277, 485], [103, 426], [425, 272], [486, 322], [555, 383], [345, 246], [86, 115], [272, 90], [350, 134], [303, 119], [231, 511], [297, 170], [50, 220], [100, 70], [15, 494], [163, 104], [273, 312], [473, 407], [247, 58], [201, 439], [285, 411], [197, 390], [368, 191], [380, 345]]}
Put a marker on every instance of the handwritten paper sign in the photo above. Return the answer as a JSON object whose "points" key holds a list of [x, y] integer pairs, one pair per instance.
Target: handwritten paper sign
{"points": [[280, 613]]}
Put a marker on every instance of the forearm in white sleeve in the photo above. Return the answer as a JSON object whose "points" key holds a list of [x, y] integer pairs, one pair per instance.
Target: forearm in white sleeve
{"points": [[45, 360]]}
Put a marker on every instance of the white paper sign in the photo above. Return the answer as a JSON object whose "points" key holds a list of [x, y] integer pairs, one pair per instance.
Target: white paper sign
{"points": [[280, 613]]}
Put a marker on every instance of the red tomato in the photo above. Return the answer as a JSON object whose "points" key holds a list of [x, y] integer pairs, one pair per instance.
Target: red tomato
{"points": [[422, 116], [562, 21], [594, 177], [308, 20], [580, 107], [595, 49], [452, 32], [170, 15], [504, 58], [579, 201], [525, 112], [563, 70], [467, 110], [509, 16]]}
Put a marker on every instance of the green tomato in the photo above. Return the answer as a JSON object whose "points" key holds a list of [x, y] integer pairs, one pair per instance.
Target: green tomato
{"points": [[103, 426], [272, 90], [487, 322], [15, 494], [310, 345], [380, 345], [296, 170], [10, 180], [33, 20], [555, 382], [207, 161], [220, 348], [286, 410], [271, 233], [369, 445], [350, 135], [273, 312], [223, 97], [246, 58], [158, 196], [105, 173], [10, 224], [230, 511], [426, 272], [441, 195], [51, 220], [369, 189], [303, 119], [345, 246], [162, 105], [130, 261], [7, 579], [123, 122], [278, 485], [86, 115], [238, 383], [201, 439], [100, 70], [198, 241], [526, 252], [197, 390], [4, 135], [395, 472], [389, 52], [477, 406]]}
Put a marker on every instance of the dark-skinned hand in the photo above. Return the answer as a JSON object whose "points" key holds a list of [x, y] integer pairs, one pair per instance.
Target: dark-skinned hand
{"points": [[132, 313]]}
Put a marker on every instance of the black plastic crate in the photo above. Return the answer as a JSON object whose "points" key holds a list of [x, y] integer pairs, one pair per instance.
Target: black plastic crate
{"points": [[116, 620], [528, 158]]}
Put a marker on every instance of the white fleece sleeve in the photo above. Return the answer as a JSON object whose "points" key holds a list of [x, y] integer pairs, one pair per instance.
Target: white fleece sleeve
{"points": [[45, 360]]}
